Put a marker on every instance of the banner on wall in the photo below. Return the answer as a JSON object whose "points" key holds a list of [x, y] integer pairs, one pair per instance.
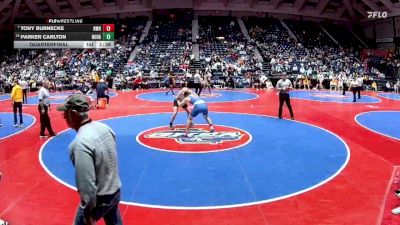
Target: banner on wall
{"points": [[59, 73], [374, 52], [384, 40]]}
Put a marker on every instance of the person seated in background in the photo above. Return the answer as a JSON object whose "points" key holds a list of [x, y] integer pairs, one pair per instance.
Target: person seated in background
{"points": [[263, 80], [59, 86], [306, 83], [51, 85], [121, 83], [334, 84], [85, 88], [374, 86], [396, 86], [256, 82], [268, 84], [230, 82], [145, 84], [388, 87], [138, 83], [298, 83]]}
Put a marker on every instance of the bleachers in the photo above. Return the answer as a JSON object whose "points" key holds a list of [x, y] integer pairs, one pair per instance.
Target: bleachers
{"points": [[212, 29], [166, 47], [223, 48], [169, 30], [310, 34], [341, 34], [274, 42]]}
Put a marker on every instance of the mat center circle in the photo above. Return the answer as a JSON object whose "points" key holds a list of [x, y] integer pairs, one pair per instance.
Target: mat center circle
{"points": [[215, 96]]}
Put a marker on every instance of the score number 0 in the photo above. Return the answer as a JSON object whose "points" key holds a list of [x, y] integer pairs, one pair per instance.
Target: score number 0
{"points": [[108, 27]]}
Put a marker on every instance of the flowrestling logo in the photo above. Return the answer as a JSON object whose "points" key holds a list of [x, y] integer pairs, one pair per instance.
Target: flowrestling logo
{"points": [[377, 14], [59, 97], [199, 140]]}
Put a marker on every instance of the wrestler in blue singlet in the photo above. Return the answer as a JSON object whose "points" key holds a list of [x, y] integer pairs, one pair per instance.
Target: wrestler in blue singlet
{"points": [[200, 106]]}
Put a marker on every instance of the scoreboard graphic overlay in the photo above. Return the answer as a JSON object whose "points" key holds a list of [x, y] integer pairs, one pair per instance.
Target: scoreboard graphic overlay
{"points": [[64, 33]]}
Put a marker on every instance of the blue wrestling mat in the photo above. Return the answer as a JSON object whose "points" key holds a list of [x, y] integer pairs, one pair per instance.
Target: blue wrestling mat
{"points": [[382, 122], [59, 98], [331, 96], [8, 129], [215, 96], [392, 96], [250, 159], [4, 97]]}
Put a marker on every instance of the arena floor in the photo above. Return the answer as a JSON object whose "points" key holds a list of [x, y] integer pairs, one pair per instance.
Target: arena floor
{"points": [[336, 163]]}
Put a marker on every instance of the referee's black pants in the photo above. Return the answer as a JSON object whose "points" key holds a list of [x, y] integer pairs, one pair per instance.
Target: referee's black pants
{"points": [[284, 97], [45, 121], [197, 87], [24, 95], [356, 91]]}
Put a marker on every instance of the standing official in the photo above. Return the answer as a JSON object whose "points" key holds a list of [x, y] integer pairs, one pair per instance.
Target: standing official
{"points": [[197, 80], [284, 85], [360, 82], [343, 83], [24, 86], [44, 107], [170, 83], [354, 88]]}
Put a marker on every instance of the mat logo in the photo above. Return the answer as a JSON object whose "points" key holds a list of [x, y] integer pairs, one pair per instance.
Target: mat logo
{"points": [[200, 140], [210, 95], [322, 95], [59, 97], [197, 136]]}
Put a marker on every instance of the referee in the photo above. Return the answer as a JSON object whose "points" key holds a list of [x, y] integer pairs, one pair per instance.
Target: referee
{"points": [[284, 85], [44, 108]]}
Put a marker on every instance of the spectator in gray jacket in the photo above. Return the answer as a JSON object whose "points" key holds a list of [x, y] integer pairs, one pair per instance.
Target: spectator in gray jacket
{"points": [[93, 153], [2, 222]]}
